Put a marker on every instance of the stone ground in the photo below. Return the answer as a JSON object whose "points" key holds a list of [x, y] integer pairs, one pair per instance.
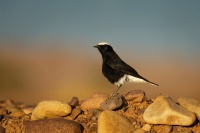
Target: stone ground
{"points": [[14, 116]]}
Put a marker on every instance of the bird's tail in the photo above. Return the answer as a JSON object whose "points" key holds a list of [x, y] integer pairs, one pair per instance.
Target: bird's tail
{"points": [[151, 83]]}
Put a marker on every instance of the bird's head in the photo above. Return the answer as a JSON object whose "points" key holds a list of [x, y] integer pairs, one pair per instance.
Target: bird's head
{"points": [[103, 47]]}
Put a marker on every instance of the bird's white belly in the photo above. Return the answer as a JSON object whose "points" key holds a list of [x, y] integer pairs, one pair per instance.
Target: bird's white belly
{"points": [[128, 78]]}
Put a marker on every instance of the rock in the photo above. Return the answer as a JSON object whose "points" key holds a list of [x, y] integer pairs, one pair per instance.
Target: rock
{"points": [[75, 113], [112, 103], [139, 131], [2, 130], [74, 102], [190, 104], [93, 128], [50, 109], [89, 114], [92, 103], [185, 131], [93, 119], [164, 111], [96, 113], [1, 117], [54, 125], [15, 112], [10, 103], [135, 96], [113, 122], [28, 110], [146, 127], [138, 125], [3, 111], [162, 128]]}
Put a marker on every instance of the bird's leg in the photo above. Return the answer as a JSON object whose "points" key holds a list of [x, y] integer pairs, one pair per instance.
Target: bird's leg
{"points": [[115, 92]]}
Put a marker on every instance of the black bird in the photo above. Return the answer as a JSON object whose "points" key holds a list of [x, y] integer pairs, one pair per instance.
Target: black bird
{"points": [[116, 70]]}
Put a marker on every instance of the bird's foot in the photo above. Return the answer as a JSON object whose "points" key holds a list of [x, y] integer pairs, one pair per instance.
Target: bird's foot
{"points": [[114, 95]]}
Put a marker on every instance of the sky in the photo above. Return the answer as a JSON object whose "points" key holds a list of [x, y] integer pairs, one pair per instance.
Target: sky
{"points": [[152, 22], [163, 31]]}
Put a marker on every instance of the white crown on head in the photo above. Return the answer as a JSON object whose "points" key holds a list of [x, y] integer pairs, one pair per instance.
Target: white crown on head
{"points": [[103, 43]]}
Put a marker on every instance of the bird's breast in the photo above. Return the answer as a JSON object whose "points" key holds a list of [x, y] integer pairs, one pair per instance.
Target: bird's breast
{"points": [[128, 78], [122, 80], [111, 74]]}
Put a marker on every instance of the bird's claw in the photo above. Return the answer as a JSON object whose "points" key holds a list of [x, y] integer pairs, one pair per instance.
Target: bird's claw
{"points": [[114, 95]]}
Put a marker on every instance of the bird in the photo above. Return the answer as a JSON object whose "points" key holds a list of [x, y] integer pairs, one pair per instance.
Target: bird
{"points": [[116, 70]]}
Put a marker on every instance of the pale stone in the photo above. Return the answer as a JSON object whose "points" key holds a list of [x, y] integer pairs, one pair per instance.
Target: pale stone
{"points": [[113, 122], [164, 111], [28, 110], [92, 103], [50, 109], [146, 127], [190, 104]]}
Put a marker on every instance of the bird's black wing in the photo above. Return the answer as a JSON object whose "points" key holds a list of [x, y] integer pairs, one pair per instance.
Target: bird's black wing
{"points": [[121, 66]]}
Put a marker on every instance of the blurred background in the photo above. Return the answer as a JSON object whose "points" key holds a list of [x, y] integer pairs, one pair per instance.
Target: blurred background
{"points": [[46, 47]]}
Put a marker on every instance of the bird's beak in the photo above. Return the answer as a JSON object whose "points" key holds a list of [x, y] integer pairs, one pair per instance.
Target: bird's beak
{"points": [[96, 46]]}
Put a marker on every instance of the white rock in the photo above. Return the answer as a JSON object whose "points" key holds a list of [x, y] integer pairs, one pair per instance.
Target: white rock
{"points": [[190, 104], [164, 111], [113, 122], [50, 109]]}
